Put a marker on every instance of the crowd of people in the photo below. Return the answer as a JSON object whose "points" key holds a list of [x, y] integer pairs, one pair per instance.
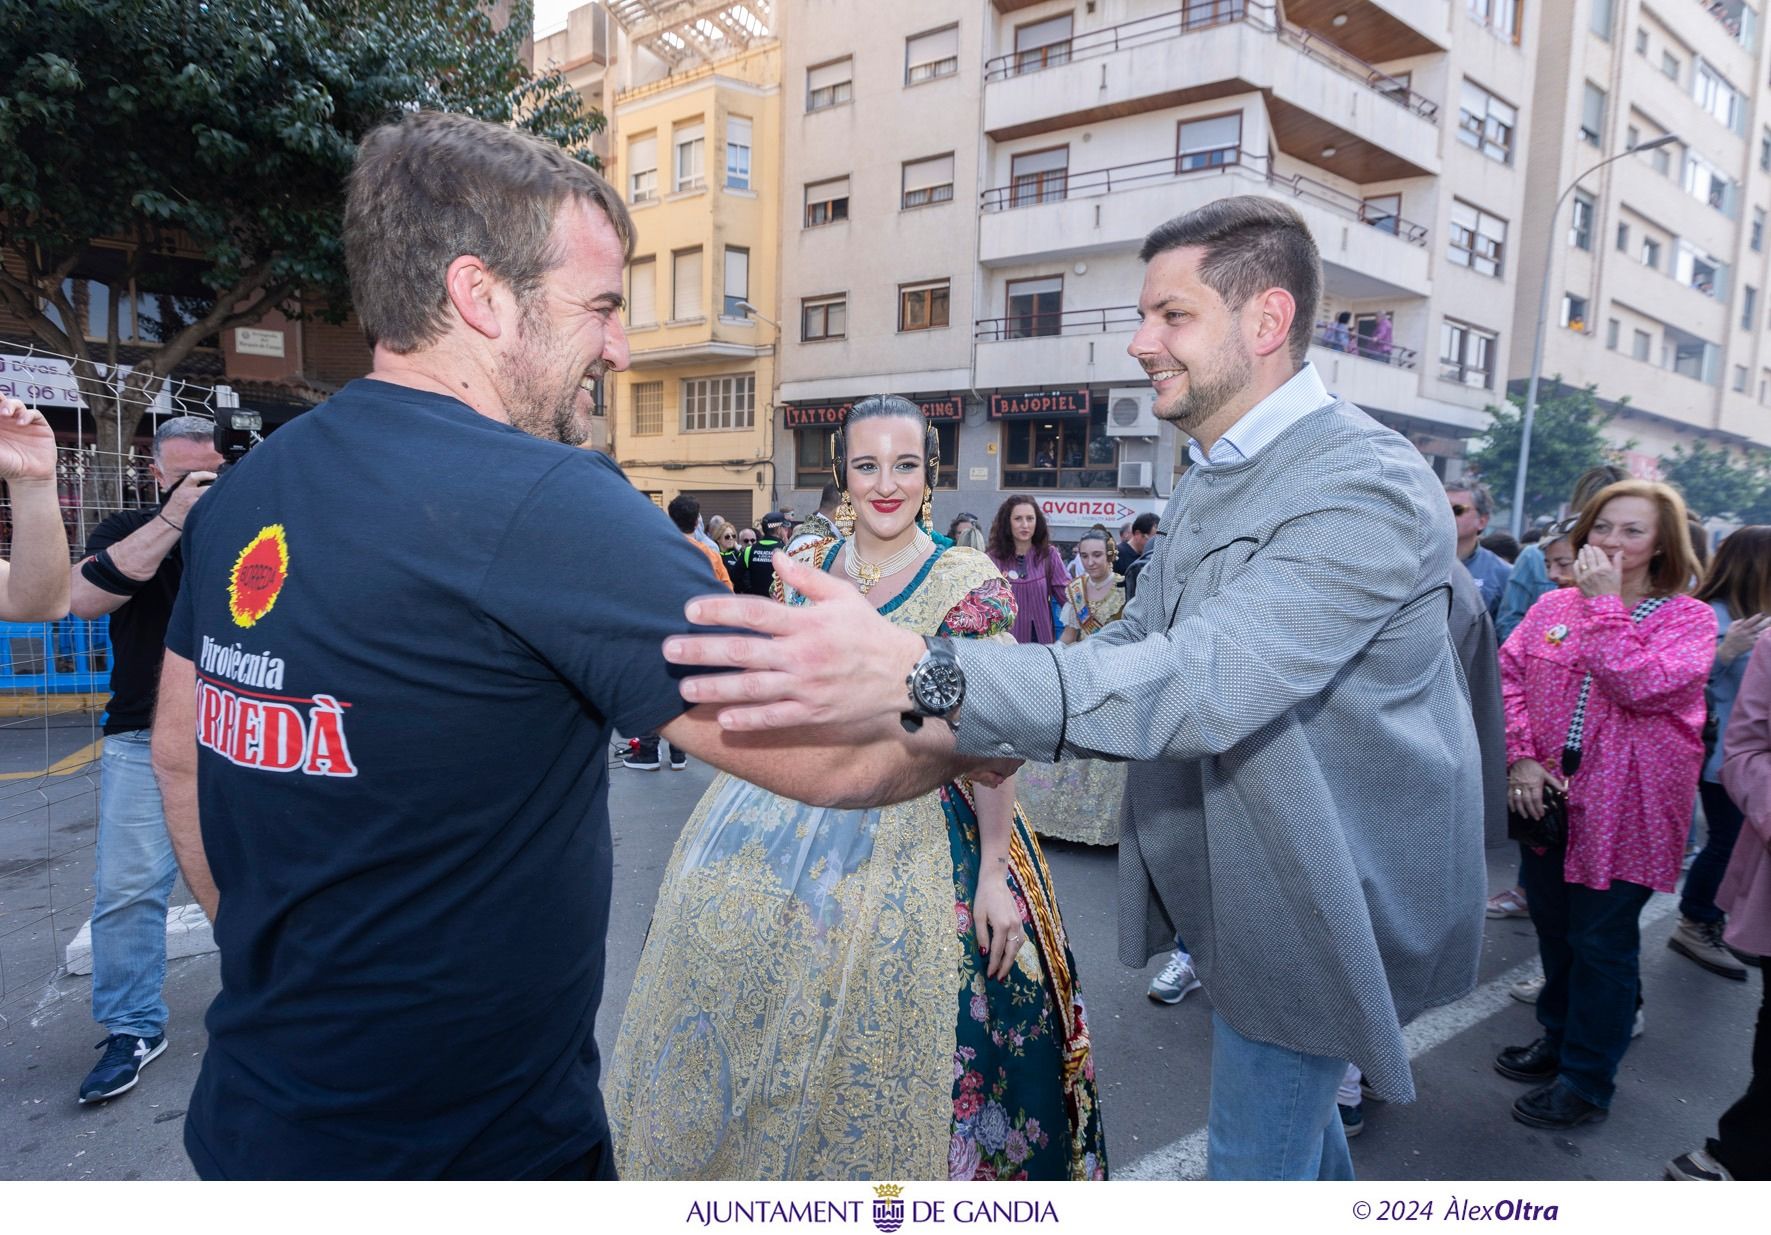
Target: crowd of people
{"points": [[1284, 701]]}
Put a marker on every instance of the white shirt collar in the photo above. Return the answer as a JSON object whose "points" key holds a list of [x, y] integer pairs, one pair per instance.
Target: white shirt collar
{"points": [[1262, 424]]}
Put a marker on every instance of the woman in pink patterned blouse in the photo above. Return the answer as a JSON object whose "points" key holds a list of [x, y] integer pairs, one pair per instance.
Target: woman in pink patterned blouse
{"points": [[1630, 638]]}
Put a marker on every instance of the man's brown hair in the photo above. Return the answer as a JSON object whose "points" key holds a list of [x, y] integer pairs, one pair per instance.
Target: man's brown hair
{"points": [[433, 186], [1251, 244], [1675, 567]]}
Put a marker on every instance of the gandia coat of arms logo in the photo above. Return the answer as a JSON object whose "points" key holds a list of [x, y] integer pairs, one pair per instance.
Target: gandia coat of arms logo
{"points": [[888, 1207]]}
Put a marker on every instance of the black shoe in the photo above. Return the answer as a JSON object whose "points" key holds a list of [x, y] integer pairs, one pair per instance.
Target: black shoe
{"points": [[1538, 1062], [679, 763], [1556, 1106]]}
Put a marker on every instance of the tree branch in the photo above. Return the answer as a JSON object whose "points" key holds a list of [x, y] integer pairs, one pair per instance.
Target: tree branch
{"points": [[221, 315]]}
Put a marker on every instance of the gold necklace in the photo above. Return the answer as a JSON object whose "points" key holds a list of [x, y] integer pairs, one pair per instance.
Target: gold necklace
{"points": [[865, 575]]}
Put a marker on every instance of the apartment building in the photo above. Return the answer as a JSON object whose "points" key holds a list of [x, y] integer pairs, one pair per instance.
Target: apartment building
{"points": [[968, 185], [1657, 264]]}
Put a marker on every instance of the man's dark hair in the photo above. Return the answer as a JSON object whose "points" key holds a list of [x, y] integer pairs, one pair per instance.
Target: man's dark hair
{"points": [[433, 186], [684, 511], [1251, 244], [830, 498], [1480, 497], [1502, 545], [1145, 523]]}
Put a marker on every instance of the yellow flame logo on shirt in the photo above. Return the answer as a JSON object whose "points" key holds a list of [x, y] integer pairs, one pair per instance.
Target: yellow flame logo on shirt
{"points": [[258, 576]]}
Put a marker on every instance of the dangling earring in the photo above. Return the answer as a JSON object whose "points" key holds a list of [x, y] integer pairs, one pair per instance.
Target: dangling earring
{"points": [[928, 512], [845, 516]]}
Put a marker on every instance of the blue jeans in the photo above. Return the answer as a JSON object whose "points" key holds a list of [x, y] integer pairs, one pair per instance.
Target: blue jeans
{"points": [[1723, 819], [1591, 944], [1273, 1111], [135, 872]]}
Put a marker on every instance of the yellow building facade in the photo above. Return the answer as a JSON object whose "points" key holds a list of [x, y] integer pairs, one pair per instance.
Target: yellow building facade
{"points": [[697, 156]]}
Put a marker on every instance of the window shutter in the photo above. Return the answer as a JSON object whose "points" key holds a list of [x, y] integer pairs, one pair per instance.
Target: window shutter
{"points": [[642, 307], [927, 173], [826, 75], [686, 302]]}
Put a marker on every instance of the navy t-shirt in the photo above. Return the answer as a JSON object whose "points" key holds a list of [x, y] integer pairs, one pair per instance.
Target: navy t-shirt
{"points": [[413, 637]]}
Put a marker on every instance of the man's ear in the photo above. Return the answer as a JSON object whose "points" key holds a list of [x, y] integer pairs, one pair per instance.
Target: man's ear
{"points": [[474, 294], [1274, 311]]}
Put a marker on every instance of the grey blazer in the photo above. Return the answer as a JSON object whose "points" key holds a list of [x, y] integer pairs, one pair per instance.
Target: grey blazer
{"points": [[1306, 799]]}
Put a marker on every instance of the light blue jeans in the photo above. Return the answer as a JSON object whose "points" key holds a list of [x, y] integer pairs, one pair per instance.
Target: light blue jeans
{"points": [[135, 872], [1273, 1114]]}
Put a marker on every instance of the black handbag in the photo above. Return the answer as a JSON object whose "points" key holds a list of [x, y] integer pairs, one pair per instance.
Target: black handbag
{"points": [[1551, 831]]}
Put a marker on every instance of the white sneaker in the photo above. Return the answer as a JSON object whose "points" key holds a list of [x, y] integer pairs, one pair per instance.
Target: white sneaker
{"points": [[1528, 990], [1176, 981]]}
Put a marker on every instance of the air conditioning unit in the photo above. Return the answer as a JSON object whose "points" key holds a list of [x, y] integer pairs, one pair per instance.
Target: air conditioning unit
{"points": [[1131, 412], [1134, 475]]}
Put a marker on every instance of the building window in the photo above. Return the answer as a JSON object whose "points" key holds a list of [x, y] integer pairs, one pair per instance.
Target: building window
{"points": [[1613, 328], [927, 182], [1500, 16], [1592, 115], [1757, 240], [1623, 237], [685, 284], [1580, 230], [737, 152], [1035, 307], [814, 458], [1600, 17], [1060, 452], [1707, 184], [1765, 150], [1717, 96], [642, 169], [1669, 64], [1663, 160], [642, 292], [824, 317], [1485, 123], [1749, 307], [1740, 379], [719, 404], [1641, 41], [1039, 176], [827, 201], [830, 85], [1642, 344], [690, 142], [1574, 313], [922, 306], [1213, 142], [1466, 354], [1632, 137], [931, 55], [1478, 239], [1699, 271], [737, 282], [1651, 253], [1383, 212], [1041, 44], [648, 409]]}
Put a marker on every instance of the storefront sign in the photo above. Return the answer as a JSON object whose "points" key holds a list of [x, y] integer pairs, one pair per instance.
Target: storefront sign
{"points": [[1039, 403], [1077, 510], [829, 415], [250, 342], [41, 381]]}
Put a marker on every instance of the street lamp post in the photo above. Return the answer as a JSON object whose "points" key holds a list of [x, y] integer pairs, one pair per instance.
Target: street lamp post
{"points": [[1543, 315]]}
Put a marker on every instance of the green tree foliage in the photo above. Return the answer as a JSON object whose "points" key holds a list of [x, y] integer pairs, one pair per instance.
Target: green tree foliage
{"points": [[222, 131], [1719, 485], [1567, 438]]}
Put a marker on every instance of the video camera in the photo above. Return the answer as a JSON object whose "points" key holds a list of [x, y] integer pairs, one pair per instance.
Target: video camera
{"points": [[236, 431]]}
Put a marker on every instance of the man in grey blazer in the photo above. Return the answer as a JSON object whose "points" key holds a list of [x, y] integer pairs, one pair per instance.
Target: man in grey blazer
{"points": [[1305, 801]]}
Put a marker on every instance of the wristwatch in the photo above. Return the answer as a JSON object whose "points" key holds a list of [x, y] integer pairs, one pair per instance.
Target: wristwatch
{"points": [[936, 685]]}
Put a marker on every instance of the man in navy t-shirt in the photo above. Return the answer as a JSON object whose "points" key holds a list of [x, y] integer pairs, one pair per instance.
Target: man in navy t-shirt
{"points": [[392, 675]]}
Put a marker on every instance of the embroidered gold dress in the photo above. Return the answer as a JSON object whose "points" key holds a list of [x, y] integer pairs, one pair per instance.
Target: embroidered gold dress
{"points": [[811, 1003], [1079, 799]]}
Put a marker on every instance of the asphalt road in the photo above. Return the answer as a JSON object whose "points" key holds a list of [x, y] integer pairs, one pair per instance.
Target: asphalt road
{"points": [[1152, 1061]]}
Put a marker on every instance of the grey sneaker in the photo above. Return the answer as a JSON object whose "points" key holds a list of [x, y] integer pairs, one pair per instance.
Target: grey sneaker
{"points": [[1528, 990], [1702, 942], [1697, 1167], [1176, 981]]}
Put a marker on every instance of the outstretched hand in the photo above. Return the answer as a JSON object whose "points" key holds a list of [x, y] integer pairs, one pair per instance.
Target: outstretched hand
{"points": [[27, 444], [833, 661]]}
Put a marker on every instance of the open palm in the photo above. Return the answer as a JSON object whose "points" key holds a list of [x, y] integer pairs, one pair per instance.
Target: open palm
{"points": [[27, 444]]}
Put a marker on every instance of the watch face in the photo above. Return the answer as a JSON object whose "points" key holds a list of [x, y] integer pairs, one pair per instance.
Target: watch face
{"points": [[940, 687]]}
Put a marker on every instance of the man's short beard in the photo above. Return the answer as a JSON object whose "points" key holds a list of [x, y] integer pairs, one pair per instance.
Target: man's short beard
{"points": [[531, 395], [1205, 396]]}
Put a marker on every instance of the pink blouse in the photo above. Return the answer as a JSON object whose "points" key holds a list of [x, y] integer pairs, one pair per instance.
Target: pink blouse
{"points": [[1629, 806]]}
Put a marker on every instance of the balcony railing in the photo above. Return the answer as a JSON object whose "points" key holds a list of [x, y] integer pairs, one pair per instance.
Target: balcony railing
{"points": [[1046, 325], [1190, 18], [1339, 338], [1229, 161]]}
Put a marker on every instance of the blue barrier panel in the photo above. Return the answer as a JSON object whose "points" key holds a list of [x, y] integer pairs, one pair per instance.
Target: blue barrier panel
{"points": [[71, 656]]}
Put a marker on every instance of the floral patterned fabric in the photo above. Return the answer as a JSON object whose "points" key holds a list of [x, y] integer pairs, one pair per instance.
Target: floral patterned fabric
{"points": [[810, 1002]]}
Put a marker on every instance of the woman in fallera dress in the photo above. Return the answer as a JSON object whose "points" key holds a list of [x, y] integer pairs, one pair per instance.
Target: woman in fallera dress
{"points": [[849, 994], [1079, 799]]}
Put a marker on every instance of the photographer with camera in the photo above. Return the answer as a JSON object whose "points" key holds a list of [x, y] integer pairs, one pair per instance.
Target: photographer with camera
{"points": [[131, 571]]}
